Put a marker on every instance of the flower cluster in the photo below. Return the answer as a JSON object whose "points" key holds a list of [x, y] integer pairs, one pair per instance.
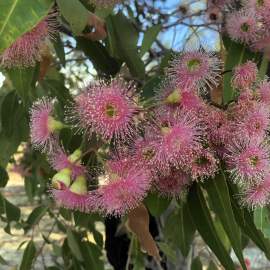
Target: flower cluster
{"points": [[179, 139], [245, 21]]}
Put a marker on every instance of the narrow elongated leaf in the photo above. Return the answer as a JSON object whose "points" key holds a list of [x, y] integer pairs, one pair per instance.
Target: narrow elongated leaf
{"points": [[99, 56], [3, 261], [18, 17], [123, 38], [212, 266], [28, 256], [168, 251], [196, 264], [182, 234], [75, 13], [22, 81], [262, 220], [204, 224], [3, 177], [91, 254], [245, 221], [13, 212], [36, 216], [59, 49], [149, 37], [73, 244], [156, 204], [263, 67], [218, 193]]}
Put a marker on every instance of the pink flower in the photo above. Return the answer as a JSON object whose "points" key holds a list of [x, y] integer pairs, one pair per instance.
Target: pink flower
{"points": [[263, 92], [28, 48], [204, 165], [172, 184], [244, 75], [242, 25], [125, 188], [74, 197], [108, 109], [172, 97], [59, 160], [195, 69], [42, 125], [248, 161], [175, 137], [257, 195], [255, 123]]}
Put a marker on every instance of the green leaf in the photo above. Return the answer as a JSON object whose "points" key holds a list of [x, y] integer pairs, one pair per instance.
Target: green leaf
{"points": [[182, 234], [196, 264], [73, 243], [35, 216], [3, 177], [150, 36], [18, 17], [149, 88], [245, 221], [22, 81], [202, 219], [60, 50], [92, 256], [75, 14], [13, 212], [262, 220], [28, 256], [98, 237], [212, 266], [99, 56], [156, 204], [3, 261], [218, 193], [168, 251], [123, 38], [263, 67]]}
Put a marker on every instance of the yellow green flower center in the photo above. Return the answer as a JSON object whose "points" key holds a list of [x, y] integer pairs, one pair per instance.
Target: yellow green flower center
{"points": [[193, 64]]}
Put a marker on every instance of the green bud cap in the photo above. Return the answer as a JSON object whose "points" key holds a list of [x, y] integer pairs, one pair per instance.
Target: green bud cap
{"points": [[75, 156], [174, 97], [165, 130], [54, 125], [79, 186], [63, 176]]}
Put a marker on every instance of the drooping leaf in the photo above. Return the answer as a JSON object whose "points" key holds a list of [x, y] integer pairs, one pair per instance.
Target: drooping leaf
{"points": [[35, 216], [3, 261], [59, 49], [149, 37], [244, 219], [218, 193], [196, 264], [202, 219], [28, 256], [74, 245], [3, 177], [99, 56], [179, 229], [75, 13], [123, 38], [262, 220], [13, 212], [156, 204], [19, 16], [168, 251]]}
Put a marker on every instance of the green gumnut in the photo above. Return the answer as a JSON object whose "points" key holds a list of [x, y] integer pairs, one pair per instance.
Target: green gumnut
{"points": [[54, 125], [75, 156], [79, 186], [63, 176], [174, 97]]}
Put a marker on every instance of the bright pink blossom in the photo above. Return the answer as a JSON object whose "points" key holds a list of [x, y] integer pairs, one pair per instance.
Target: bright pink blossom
{"points": [[107, 109], [195, 68], [244, 75], [28, 48]]}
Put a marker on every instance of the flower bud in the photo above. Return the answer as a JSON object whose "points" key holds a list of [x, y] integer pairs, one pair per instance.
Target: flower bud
{"points": [[61, 178], [75, 156], [54, 125], [79, 186], [174, 97]]}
